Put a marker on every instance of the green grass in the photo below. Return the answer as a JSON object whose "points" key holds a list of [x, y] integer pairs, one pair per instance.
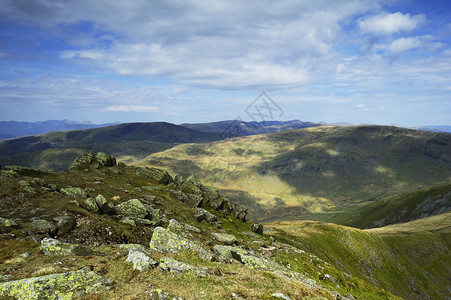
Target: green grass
{"points": [[315, 170]]}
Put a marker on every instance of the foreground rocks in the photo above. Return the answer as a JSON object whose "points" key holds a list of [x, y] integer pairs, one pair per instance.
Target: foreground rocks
{"points": [[54, 247], [56, 286]]}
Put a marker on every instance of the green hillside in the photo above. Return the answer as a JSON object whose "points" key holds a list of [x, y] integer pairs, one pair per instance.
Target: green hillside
{"points": [[102, 230], [397, 209], [411, 259], [55, 151], [314, 170]]}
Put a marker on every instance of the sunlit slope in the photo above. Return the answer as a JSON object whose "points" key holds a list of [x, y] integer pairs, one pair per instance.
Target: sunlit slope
{"points": [[397, 209], [315, 169], [412, 260]]}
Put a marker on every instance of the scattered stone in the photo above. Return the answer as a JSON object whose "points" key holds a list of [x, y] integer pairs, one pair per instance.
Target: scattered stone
{"points": [[166, 241], [54, 247], [6, 277], [158, 294], [257, 228], [281, 296], [141, 261], [235, 296], [224, 253], [202, 214], [327, 277], [91, 205], [26, 187], [7, 222], [126, 248], [64, 224], [43, 226], [74, 192], [227, 239], [176, 226], [193, 200], [128, 221], [132, 208], [251, 234], [158, 175], [25, 255], [175, 267], [56, 286]]}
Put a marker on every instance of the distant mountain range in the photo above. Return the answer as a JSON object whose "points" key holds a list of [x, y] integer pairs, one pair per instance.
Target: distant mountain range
{"points": [[224, 129], [14, 129]]}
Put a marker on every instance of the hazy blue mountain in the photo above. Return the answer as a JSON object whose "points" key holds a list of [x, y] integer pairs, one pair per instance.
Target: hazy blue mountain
{"points": [[13, 129]]}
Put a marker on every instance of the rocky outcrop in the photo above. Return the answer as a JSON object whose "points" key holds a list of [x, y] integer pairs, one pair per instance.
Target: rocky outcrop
{"points": [[54, 247], [166, 241], [141, 261], [94, 161], [43, 226], [56, 286], [160, 176], [257, 228], [64, 224]]}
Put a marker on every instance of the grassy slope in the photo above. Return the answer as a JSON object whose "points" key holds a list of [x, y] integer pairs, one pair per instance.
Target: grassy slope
{"points": [[102, 232], [56, 150], [397, 209], [314, 170], [412, 260]]}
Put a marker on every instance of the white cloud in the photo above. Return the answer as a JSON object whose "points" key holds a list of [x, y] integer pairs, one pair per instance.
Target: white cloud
{"points": [[404, 44], [132, 108], [387, 24]]}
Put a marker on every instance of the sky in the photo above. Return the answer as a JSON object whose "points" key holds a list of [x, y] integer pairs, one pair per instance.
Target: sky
{"points": [[355, 61]]}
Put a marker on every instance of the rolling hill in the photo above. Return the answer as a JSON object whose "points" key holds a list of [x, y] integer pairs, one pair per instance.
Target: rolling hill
{"points": [[56, 150], [314, 170]]}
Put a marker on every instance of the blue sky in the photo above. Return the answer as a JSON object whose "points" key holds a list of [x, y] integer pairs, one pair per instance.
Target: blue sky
{"points": [[356, 61]]}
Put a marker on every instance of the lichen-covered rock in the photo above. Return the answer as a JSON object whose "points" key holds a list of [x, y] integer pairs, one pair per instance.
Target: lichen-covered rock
{"points": [[227, 239], [74, 192], [91, 160], [178, 227], [212, 197], [56, 286], [238, 211], [43, 226], [104, 206], [132, 208], [224, 253], [159, 294], [191, 186], [166, 241], [27, 187], [54, 247], [193, 200], [257, 228], [160, 176], [64, 224], [128, 221], [202, 214], [175, 267], [140, 260], [7, 222], [91, 205], [126, 248], [105, 159]]}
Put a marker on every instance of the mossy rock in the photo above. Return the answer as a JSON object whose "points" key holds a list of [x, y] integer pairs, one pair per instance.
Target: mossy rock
{"points": [[159, 294], [126, 248], [91, 205], [224, 238], [54, 247], [141, 261], [43, 226], [166, 241], [8, 222], [132, 208], [74, 192], [160, 176], [105, 159], [56, 286], [64, 224]]}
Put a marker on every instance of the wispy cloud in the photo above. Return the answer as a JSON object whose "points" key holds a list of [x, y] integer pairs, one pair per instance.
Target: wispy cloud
{"points": [[132, 108]]}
